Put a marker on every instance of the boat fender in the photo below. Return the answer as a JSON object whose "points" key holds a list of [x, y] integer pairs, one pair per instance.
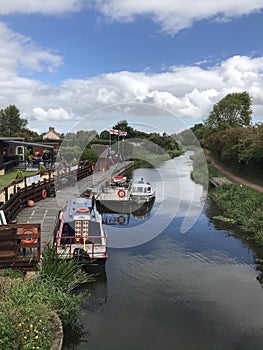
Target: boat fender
{"points": [[121, 193], [31, 240], [44, 193]]}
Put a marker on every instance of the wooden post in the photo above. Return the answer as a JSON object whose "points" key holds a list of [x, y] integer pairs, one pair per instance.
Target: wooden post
{"points": [[6, 194]]}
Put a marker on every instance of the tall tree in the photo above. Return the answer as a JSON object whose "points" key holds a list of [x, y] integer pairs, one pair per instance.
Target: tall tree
{"points": [[10, 121], [234, 110]]}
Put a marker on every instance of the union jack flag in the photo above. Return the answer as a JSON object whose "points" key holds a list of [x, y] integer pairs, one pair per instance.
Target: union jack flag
{"points": [[122, 133], [114, 132]]}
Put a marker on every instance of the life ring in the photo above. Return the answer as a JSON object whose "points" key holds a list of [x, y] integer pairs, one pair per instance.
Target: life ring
{"points": [[44, 193], [82, 210], [121, 220], [121, 193], [31, 240]]}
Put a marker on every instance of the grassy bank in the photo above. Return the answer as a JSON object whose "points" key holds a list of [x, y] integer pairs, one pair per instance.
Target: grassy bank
{"points": [[30, 306], [241, 205]]}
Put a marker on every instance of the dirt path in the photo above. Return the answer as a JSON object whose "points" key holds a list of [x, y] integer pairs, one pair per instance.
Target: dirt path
{"points": [[232, 176]]}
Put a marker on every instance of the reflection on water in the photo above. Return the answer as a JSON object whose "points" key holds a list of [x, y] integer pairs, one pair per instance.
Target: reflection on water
{"points": [[186, 291], [126, 217]]}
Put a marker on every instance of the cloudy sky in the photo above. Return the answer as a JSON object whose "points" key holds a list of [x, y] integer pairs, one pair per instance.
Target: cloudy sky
{"points": [[108, 60]]}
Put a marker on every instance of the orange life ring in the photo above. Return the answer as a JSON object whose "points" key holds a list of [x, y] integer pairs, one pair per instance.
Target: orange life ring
{"points": [[121, 193], [82, 210], [121, 220], [44, 193], [31, 240]]}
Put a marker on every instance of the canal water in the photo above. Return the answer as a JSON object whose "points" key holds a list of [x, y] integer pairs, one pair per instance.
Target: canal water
{"points": [[175, 279]]}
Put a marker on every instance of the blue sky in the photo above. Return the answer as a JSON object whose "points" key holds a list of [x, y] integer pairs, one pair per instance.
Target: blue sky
{"points": [[163, 64]]}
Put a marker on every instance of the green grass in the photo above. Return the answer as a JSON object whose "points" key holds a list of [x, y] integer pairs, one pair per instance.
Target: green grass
{"points": [[242, 205], [6, 179]]}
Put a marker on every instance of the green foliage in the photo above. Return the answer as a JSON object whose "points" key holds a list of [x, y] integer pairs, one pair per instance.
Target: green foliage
{"points": [[89, 154], [244, 206], [79, 140], [240, 149], [10, 121], [42, 169], [65, 274], [234, 110], [19, 174], [193, 136], [29, 306], [25, 321], [200, 171]]}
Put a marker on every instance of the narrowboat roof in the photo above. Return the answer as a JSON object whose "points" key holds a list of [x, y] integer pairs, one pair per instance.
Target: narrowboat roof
{"points": [[77, 207]]}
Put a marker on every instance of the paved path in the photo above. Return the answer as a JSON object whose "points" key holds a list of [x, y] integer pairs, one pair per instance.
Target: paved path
{"points": [[46, 211], [231, 175]]}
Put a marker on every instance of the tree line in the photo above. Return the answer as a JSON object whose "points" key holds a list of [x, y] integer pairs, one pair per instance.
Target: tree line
{"points": [[229, 134]]}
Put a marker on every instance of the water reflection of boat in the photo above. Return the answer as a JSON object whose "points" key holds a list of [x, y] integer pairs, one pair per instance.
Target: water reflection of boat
{"points": [[81, 233], [144, 211], [122, 217], [142, 192], [115, 218]]}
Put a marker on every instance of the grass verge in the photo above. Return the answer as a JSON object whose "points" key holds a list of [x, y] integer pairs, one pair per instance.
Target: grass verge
{"points": [[241, 205]]}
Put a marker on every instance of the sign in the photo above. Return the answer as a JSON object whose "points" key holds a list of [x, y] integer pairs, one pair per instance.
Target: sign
{"points": [[31, 179]]}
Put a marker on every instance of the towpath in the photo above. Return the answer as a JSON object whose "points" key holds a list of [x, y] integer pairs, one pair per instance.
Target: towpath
{"points": [[232, 176]]}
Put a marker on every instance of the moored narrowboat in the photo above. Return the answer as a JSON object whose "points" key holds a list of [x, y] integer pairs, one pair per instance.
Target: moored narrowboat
{"points": [[81, 233]]}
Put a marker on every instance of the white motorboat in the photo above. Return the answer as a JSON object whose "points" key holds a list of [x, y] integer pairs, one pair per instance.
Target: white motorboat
{"points": [[142, 192]]}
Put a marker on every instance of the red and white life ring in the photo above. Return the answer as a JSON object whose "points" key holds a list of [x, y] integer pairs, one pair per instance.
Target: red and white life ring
{"points": [[121, 220], [121, 193], [31, 240]]}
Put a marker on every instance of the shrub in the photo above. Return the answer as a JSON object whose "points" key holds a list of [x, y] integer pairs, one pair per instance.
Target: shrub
{"points": [[19, 174], [42, 169]]}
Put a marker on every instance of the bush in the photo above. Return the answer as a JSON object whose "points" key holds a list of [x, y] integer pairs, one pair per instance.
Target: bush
{"points": [[42, 169], [29, 307], [19, 174]]}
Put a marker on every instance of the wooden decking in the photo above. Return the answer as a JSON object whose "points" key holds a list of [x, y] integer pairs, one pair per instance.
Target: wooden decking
{"points": [[219, 181]]}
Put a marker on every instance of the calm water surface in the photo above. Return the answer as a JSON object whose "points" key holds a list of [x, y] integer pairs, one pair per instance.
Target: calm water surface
{"points": [[172, 290]]}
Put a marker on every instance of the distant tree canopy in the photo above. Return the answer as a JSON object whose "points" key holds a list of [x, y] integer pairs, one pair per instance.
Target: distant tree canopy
{"points": [[10, 121], [234, 110]]}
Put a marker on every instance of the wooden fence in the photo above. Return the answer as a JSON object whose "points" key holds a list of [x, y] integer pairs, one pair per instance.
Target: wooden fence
{"points": [[15, 197], [20, 246]]}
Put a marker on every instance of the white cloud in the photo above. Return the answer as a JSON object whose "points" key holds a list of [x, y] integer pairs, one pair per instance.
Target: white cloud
{"points": [[171, 15], [31, 6], [174, 15], [51, 114], [18, 52]]}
